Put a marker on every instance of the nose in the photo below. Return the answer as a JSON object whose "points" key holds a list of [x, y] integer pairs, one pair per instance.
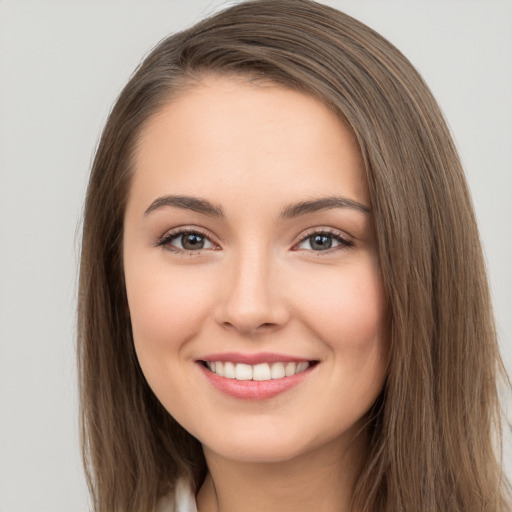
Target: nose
{"points": [[252, 300]]}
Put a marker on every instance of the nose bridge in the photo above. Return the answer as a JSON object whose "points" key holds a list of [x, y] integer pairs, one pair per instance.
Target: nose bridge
{"points": [[251, 300]]}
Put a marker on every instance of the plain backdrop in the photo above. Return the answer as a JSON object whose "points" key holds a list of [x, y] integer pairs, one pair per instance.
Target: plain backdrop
{"points": [[62, 64]]}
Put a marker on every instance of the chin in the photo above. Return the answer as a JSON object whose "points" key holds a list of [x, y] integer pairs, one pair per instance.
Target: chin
{"points": [[264, 453], [260, 447]]}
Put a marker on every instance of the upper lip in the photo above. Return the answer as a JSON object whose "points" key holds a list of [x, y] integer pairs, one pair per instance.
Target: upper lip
{"points": [[252, 359]]}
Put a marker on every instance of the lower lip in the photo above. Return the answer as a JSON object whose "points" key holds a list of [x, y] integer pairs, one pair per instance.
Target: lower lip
{"points": [[254, 389]]}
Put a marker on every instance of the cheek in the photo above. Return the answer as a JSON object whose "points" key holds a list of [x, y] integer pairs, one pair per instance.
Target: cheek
{"points": [[167, 307], [349, 308], [348, 312]]}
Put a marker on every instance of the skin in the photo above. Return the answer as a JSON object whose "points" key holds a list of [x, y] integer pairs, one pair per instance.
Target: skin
{"points": [[258, 285]]}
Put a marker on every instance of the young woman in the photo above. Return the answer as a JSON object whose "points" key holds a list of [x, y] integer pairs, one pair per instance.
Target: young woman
{"points": [[283, 302]]}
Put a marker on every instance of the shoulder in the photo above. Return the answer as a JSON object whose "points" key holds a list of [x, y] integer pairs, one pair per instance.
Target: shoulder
{"points": [[182, 500]]}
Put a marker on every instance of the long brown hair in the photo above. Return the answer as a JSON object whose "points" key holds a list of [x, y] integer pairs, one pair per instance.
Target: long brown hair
{"points": [[435, 430]]}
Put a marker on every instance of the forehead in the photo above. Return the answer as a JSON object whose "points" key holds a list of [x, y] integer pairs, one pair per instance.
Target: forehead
{"points": [[229, 138]]}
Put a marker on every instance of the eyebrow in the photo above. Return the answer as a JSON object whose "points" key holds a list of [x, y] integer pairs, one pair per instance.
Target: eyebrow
{"points": [[324, 203], [187, 203], [295, 210]]}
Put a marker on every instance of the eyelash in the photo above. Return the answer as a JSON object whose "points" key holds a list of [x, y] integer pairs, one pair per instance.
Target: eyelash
{"points": [[165, 241], [344, 243]]}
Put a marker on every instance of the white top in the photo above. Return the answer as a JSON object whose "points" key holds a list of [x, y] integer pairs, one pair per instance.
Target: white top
{"points": [[182, 501]]}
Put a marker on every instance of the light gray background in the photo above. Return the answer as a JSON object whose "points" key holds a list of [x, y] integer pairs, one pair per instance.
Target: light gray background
{"points": [[62, 64]]}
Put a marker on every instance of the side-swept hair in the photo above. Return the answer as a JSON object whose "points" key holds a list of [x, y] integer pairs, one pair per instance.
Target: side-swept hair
{"points": [[435, 430]]}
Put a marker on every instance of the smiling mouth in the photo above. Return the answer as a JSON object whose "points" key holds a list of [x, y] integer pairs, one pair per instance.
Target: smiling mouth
{"points": [[257, 372]]}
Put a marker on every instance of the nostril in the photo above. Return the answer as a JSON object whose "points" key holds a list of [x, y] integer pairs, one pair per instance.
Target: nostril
{"points": [[250, 327]]}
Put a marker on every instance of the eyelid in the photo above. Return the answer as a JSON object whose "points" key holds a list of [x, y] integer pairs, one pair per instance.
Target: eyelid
{"points": [[165, 240], [345, 240]]}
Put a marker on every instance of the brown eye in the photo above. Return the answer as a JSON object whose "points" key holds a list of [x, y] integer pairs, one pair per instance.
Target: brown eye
{"points": [[186, 241], [192, 241]]}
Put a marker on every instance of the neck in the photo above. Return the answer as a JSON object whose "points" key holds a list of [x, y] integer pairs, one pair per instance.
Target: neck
{"points": [[320, 480]]}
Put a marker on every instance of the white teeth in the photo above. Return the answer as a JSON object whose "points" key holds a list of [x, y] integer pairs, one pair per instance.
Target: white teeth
{"points": [[243, 371], [229, 370], [302, 366], [290, 369], [278, 371], [262, 371]]}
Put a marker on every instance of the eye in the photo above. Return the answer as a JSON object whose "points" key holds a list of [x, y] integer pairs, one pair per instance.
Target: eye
{"points": [[186, 240], [323, 241]]}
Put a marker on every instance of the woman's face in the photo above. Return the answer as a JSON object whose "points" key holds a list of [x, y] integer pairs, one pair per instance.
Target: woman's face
{"points": [[249, 250]]}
